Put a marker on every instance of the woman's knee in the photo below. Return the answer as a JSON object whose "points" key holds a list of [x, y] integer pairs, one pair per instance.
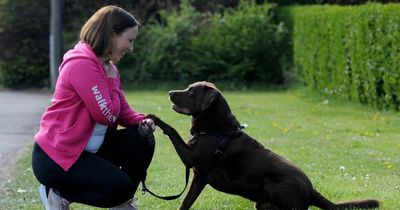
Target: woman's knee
{"points": [[123, 190]]}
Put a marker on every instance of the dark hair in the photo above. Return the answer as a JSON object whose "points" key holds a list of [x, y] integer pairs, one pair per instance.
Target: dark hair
{"points": [[103, 25]]}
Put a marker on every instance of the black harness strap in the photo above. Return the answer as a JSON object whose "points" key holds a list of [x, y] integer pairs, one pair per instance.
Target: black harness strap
{"points": [[172, 197], [224, 140]]}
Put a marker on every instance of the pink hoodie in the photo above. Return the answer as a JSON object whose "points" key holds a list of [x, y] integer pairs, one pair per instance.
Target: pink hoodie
{"points": [[83, 96]]}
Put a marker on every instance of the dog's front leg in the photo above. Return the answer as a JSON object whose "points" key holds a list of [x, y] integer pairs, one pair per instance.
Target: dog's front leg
{"points": [[183, 150], [195, 189]]}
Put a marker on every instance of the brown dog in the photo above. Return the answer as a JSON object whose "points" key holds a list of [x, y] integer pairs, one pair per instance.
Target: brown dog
{"points": [[232, 162]]}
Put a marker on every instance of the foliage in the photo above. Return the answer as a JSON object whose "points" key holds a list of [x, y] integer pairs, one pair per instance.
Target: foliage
{"points": [[191, 46], [24, 42], [240, 46], [167, 47], [161, 47], [350, 51], [309, 2], [349, 151], [213, 6], [24, 34], [224, 42], [76, 12]]}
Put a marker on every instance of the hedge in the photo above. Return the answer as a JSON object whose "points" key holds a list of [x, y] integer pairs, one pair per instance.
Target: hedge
{"points": [[349, 51]]}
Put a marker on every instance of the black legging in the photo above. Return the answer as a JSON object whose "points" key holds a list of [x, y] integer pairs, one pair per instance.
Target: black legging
{"points": [[105, 179]]}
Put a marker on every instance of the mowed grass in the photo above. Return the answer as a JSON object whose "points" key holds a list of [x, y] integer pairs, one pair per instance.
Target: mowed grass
{"points": [[349, 151]]}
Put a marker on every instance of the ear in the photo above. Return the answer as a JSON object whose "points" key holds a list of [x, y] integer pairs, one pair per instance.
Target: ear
{"points": [[209, 98]]}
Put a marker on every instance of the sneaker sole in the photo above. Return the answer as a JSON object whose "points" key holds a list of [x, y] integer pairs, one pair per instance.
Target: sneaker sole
{"points": [[43, 196]]}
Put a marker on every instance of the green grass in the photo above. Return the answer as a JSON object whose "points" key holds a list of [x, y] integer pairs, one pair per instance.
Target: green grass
{"points": [[320, 135]]}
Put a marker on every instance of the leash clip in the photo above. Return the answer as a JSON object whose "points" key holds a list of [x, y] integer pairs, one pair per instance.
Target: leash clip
{"points": [[143, 189]]}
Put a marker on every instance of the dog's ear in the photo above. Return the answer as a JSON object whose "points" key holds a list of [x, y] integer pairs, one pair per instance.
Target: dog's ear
{"points": [[209, 98]]}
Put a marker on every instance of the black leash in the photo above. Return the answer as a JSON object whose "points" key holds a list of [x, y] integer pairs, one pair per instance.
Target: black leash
{"points": [[172, 197], [221, 147]]}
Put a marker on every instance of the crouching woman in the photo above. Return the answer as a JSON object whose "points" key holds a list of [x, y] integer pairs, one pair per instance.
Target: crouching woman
{"points": [[79, 155]]}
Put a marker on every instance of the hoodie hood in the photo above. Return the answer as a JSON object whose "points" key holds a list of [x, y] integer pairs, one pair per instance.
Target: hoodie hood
{"points": [[81, 50]]}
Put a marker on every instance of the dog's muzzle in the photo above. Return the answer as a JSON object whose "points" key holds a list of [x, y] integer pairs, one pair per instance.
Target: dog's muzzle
{"points": [[180, 110]]}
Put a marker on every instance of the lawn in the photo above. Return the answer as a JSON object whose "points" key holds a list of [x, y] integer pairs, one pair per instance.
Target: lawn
{"points": [[349, 151]]}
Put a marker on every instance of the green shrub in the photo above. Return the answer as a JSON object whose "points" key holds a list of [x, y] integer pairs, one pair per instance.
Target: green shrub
{"points": [[24, 34], [161, 48], [24, 43], [242, 45], [349, 51]]}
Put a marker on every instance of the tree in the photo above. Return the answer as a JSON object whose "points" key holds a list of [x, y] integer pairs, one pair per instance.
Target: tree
{"points": [[24, 42]]}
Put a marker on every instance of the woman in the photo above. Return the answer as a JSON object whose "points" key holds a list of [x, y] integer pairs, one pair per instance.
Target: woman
{"points": [[79, 155]]}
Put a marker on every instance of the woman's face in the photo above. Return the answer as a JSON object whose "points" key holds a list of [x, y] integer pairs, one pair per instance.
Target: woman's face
{"points": [[123, 43]]}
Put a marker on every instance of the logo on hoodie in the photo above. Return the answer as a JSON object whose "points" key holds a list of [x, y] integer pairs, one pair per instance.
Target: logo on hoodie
{"points": [[103, 105]]}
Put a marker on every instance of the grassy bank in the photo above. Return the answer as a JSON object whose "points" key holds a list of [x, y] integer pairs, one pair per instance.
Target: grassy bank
{"points": [[349, 151]]}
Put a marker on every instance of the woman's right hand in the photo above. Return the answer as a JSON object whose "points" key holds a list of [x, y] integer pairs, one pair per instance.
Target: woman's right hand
{"points": [[146, 128]]}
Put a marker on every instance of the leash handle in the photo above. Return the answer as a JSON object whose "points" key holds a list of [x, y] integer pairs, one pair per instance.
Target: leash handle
{"points": [[172, 197]]}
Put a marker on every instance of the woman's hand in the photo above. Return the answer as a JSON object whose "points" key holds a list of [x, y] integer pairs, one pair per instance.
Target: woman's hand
{"points": [[146, 126]]}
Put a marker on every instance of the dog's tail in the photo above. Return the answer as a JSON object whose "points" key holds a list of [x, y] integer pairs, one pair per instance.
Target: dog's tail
{"points": [[361, 204], [320, 201]]}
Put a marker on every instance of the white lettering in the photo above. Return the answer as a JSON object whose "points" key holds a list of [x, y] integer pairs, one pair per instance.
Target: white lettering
{"points": [[103, 104], [95, 90], [98, 97]]}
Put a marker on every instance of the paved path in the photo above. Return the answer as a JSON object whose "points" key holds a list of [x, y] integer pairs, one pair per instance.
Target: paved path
{"points": [[20, 113]]}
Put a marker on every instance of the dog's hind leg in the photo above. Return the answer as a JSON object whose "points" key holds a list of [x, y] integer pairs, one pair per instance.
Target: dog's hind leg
{"points": [[194, 191], [285, 196]]}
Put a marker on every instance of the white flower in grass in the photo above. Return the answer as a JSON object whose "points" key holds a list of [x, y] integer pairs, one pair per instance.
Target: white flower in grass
{"points": [[21, 190], [342, 168]]}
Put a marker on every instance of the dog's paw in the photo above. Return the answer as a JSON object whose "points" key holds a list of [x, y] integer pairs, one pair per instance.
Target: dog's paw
{"points": [[156, 120]]}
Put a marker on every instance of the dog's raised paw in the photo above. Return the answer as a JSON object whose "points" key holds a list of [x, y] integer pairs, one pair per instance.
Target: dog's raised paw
{"points": [[154, 118]]}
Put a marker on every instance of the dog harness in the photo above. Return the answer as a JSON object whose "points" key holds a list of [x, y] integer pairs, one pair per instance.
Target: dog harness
{"points": [[224, 140]]}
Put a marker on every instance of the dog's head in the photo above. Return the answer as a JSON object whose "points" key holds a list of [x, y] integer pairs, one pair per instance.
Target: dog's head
{"points": [[195, 99]]}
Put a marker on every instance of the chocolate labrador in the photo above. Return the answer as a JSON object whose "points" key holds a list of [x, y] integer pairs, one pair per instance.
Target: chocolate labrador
{"points": [[231, 161]]}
